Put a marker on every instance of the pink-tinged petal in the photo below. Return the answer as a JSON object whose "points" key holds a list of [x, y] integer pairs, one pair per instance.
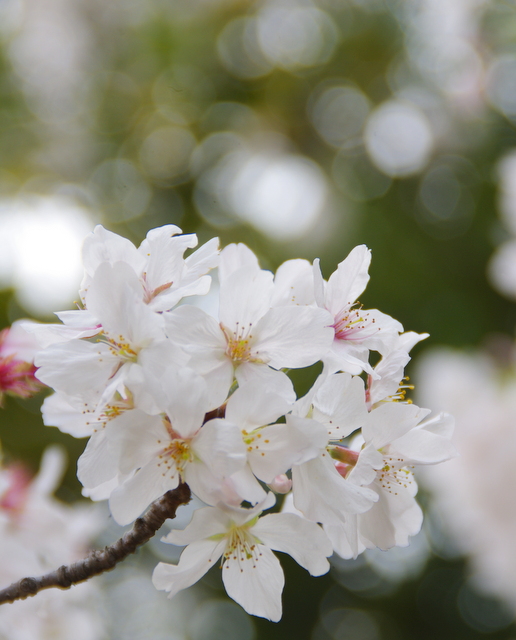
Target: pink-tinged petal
{"points": [[390, 421], [18, 342], [255, 404], [205, 523], [219, 445], [305, 541], [245, 297], [340, 405], [391, 521], [76, 367], [256, 583], [349, 280], [234, 257], [322, 495], [194, 562], [104, 246], [294, 284], [131, 498], [293, 336]]}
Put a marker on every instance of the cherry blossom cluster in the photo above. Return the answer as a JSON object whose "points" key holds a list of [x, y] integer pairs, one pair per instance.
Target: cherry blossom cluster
{"points": [[38, 534], [169, 392]]}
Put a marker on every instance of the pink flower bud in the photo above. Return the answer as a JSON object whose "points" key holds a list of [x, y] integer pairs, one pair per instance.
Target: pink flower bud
{"points": [[17, 375], [281, 484]]}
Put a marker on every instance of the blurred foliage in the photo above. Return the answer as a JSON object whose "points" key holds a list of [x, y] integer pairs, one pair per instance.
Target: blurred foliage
{"points": [[131, 112]]}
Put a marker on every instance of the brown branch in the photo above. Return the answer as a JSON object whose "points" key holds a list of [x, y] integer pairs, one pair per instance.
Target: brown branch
{"points": [[103, 560]]}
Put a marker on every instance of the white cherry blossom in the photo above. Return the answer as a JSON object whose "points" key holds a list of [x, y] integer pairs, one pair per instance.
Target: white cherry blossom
{"points": [[149, 455], [251, 573], [356, 331], [164, 276], [393, 440], [251, 339]]}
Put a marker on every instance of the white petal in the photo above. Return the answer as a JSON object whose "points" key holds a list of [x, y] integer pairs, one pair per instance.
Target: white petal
{"points": [[184, 397], [322, 495], [255, 404], [345, 538], [130, 499], [205, 523], [420, 446], [256, 583], [135, 438], [97, 464], [115, 297], [391, 520], [256, 373], [76, 367], [163, 252], [294, 284], [390, 369], [104, 246], [340, 405], [247, 486], [349, 281], [192, 327], [277, 448], [245, 297], [293, 337], [219, 445], [199, 262], [194, 562], [235, 256], [70, 415], [390, 421], [305, 541]]}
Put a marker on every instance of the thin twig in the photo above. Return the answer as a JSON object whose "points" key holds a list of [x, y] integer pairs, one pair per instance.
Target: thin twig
{"points": [[105, 559]]}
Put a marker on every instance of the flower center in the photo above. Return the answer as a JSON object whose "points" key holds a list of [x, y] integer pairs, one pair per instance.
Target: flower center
{"points": [[345, 459], [239, 342], [353, 324], [393, 475], [241, 547]]}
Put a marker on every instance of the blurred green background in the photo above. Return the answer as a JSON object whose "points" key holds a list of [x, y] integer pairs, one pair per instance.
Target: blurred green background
{"points": [[302, 128]]}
